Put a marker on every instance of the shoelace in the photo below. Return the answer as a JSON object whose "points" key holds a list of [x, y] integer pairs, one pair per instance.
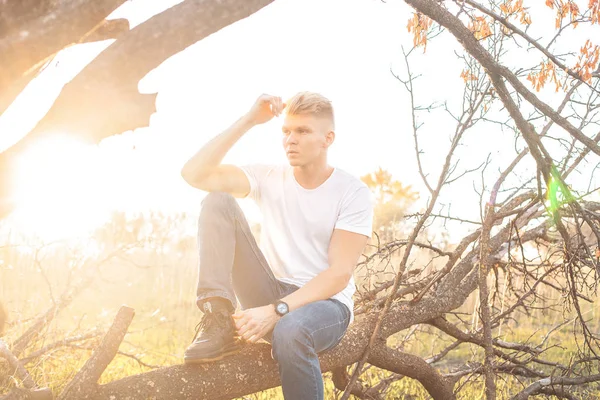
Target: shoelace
{"points": [[208, 323]]}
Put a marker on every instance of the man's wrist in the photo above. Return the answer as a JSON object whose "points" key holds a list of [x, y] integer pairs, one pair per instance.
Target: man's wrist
{"points": [[281, 307], [247, 121], [277, 316]]}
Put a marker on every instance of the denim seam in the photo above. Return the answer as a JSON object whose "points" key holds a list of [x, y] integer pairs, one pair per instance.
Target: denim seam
{"points": [[347, 310], [312, 368], [329, 326], [346, 323], [312, 365]]}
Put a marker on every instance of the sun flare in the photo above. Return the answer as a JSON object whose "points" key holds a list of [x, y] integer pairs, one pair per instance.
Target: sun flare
{"points": [[58, 192]]}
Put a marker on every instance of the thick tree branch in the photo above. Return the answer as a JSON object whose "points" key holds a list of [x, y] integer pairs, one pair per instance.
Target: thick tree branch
{"points": [[542, 385], [83, 385], [340, 379], [414, 367], [25, 394], [16, 366], [30, 42]]}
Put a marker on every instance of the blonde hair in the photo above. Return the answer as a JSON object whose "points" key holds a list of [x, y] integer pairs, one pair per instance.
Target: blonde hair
{"points": [[310, 103]]}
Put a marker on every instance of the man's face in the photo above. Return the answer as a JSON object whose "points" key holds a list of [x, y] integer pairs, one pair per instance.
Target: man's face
{"points": [[306, 138]]}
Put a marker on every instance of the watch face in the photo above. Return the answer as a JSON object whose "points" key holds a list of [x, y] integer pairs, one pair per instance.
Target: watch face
{"points": [[282, 308]]}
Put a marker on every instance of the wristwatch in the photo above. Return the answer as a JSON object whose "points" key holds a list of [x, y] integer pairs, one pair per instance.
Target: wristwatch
{"points": [[281, 308]]}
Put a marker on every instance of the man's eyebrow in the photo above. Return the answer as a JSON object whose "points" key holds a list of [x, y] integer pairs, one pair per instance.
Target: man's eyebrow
{"points": [[304, 127]]}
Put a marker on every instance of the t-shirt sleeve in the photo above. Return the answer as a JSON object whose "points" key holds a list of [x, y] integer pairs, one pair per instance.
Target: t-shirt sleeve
{"points": [[256, 174], [356, 214]]}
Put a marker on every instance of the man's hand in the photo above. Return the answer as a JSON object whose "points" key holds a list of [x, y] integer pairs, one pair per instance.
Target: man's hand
{"points": [[265, 108], [254, 323]]}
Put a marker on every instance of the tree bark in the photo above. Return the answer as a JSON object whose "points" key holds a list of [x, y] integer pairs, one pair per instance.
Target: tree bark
{"points": [[250, 371], [24, 394], [414, 367], [34, 31], [543, 385]]}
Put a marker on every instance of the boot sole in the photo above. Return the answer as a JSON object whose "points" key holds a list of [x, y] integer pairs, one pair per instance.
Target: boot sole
{"points": [[232, 349]]}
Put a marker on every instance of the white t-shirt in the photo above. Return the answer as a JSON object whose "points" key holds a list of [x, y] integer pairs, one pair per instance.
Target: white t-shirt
{"points": [[298, 223]]}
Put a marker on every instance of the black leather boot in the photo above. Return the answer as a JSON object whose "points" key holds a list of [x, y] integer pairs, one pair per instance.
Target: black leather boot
{"points": [[215, 337]]}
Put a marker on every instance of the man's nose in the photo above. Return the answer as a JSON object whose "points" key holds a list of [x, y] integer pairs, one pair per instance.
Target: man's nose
{"points": [[291, 139]]}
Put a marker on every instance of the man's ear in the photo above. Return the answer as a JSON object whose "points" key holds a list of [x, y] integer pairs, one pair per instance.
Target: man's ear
{"points": [[329, 138]]}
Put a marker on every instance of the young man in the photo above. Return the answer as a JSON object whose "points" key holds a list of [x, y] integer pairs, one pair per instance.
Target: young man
{"points": [[296, 289]]}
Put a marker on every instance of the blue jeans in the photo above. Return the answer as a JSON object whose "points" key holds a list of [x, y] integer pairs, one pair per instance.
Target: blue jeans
{"points": [[232, 265]]}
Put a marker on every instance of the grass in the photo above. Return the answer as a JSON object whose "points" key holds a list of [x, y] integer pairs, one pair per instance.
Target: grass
{"points": [[156, 276]]}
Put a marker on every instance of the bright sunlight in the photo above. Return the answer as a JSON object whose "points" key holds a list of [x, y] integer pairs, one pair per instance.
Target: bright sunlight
{"points": [[58, 192]]}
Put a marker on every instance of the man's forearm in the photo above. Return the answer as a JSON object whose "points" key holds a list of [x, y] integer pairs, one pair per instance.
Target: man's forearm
{"points": [[321, 287], [213, 152]]}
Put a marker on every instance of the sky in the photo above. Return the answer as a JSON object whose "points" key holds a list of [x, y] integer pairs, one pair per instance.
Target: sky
{"points": [[348, 50]]}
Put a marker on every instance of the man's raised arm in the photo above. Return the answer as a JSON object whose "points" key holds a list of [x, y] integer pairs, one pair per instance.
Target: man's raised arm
{"points": [[205, 171]]}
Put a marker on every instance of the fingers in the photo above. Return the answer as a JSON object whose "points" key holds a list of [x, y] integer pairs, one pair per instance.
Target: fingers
{"points": [[254, 339], [251, 335], [240, 319], [267, 107], [249, 331], [276, 106], [274, 102]]}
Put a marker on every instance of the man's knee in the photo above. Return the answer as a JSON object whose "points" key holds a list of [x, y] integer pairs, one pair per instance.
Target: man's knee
{"points": [[291, 339], [218, 200]]}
